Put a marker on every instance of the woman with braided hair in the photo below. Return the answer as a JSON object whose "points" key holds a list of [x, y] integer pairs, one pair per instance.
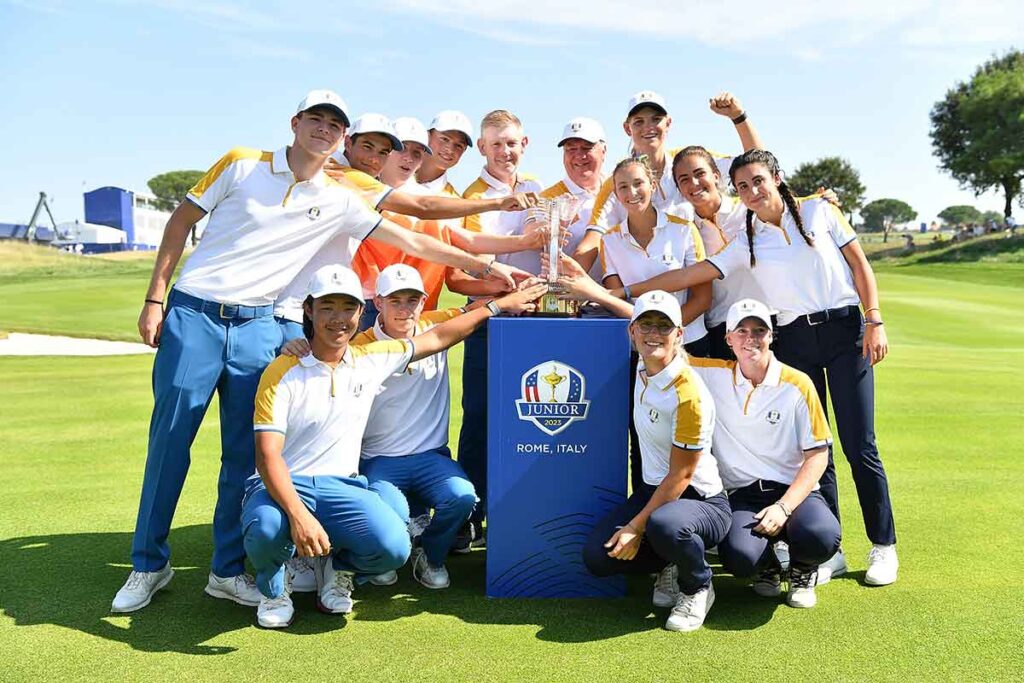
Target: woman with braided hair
{"points": [[806, 258]]}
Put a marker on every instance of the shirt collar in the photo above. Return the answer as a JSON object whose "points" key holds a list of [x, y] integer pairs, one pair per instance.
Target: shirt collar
{"points": [[575, 190], [310, 361], [669, 373], [772, 378], [279, 165], [378, 331], [495, 183], [437, 184]]}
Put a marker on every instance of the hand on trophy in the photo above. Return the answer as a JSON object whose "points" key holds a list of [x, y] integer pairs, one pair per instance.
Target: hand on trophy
{"points": [[520, 201], [524, 299], [726, 104], [576, 282], [536, 233]]}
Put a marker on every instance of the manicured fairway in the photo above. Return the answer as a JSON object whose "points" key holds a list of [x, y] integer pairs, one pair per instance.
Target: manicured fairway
{"points": [[951, 429]]}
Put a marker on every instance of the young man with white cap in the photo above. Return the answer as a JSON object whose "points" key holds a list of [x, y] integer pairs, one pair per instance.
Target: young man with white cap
{"points": [[771, 443], [647, 124], [309, 421], [680, 509], [269, 213]]}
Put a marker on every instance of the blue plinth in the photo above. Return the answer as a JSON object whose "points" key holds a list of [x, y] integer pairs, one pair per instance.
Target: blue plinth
{"points": [[555, 467]]}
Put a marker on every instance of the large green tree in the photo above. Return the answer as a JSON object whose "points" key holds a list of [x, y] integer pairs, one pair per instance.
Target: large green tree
{"points": [[883, 214], [170, 188], [835, 173], [978, 129], [960, 213]]}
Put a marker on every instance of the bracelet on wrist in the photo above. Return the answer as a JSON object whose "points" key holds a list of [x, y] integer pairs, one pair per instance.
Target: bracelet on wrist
{"points": [[626, 294], [874, 308], [489, 269], [785, 508], [155, 301], [740, 119], [494, 308], [876, 323]]}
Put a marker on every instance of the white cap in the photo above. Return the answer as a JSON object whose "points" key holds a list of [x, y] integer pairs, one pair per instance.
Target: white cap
{"points": [[409, 129], [399, 276], [661, 302], [335, 280], [583, 128], [451, 119], [324, 98], [647, 98], [747, 308], [375, 123]]}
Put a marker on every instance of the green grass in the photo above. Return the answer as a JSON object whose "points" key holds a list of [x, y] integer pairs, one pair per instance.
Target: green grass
{"points": [[951, 432]]}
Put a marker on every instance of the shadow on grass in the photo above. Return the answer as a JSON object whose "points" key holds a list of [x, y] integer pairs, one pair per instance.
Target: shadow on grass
{"points": [[69, 580]]}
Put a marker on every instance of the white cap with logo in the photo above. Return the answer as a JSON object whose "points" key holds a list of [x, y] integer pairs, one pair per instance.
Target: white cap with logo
{"points": [[646, 98], [399, 276], [659, 302], [324, 98], [376, 123], [451, 119], [583, 128], [409, 129], [335, 280], [747, 308]]}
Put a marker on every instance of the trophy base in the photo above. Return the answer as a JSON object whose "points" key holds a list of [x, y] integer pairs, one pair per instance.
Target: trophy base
{"points": [[552, 305]]}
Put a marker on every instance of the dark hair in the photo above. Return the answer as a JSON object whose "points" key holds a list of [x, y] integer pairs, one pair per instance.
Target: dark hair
{"points": [[307, 322], [768, 160], [693, 151]]}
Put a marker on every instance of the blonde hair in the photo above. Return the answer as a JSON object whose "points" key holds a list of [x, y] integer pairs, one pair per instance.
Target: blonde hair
{"points": [[640, 161], [499, 118]]}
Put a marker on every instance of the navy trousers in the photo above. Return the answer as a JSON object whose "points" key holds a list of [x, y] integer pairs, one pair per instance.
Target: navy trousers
{"points": [[473, 433], [830, 352]]}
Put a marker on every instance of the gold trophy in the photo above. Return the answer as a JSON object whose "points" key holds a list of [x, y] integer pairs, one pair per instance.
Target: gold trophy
{"points": [[556, 303], [553, 379]]}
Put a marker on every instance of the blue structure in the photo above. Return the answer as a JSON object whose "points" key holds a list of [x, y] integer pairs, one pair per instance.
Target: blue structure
{"points": [[558, 402], [113, 207]]}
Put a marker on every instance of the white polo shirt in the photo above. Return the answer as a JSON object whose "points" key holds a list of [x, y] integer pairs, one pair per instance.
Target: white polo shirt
{"points": [[608, 210], [578, 228], [410, 414], [322, 411], [762, 432], [503, 222], [731, 220], [264, 226], [674, 408], [796, 278], [675, 244]]}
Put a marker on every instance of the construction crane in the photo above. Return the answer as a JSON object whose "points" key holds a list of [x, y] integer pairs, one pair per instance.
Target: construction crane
{"points": [[30, 232]]}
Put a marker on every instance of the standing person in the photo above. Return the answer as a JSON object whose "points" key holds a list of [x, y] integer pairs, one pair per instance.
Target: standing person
{"points": [[647, 124], [771, 443], [269, 213], [309, 421], [501, 143], [680, 508], [367, 147], [811, 268]]}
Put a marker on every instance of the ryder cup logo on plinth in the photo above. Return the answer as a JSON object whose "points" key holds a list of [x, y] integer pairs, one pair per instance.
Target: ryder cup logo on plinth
{"points": [[553, 396]]}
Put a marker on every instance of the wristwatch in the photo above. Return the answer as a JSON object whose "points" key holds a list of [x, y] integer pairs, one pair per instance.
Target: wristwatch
{"points": [[494, 308]]}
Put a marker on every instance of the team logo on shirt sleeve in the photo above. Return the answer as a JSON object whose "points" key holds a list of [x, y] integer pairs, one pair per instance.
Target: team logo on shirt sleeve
{"points": [[552, 396], [313, 213]]}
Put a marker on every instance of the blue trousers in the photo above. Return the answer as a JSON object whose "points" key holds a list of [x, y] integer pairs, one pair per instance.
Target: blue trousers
{"points": [[369, 316], [433, 480], [832, 351], [289, 330], [203, 348], [473, 433], [368, 534], [677, 532], [812, 532]]}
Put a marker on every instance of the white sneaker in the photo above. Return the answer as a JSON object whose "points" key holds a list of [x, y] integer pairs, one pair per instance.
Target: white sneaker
{"points": [[768, 583], [417, 525], [690, 610], [426, 573], [883, 565], [241, 589], [303, 575], [386, 579], [666, 587], [138, 590], [801, 588], [334, 587], [781, 550], [275, 612], [831, 568]]}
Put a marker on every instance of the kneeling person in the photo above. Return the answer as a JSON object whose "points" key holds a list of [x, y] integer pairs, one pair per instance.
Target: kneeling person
{"points": [[309, 422]]}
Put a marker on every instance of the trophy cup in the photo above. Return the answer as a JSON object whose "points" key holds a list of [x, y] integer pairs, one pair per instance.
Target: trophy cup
{"points": [[553, 379], [556, 303]]}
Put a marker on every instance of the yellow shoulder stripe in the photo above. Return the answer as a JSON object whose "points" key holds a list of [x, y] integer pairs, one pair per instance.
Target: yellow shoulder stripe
{"points": [[688, 410], [712, 363], [474, 191], [236, 154], [392, 346], [819, 423], [556, 190], [440, 316], [365, 337], [267, 391], [604, 195]]}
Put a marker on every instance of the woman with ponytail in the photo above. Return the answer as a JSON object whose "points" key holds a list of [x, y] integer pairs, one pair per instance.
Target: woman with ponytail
{"points": [[808, 262]]}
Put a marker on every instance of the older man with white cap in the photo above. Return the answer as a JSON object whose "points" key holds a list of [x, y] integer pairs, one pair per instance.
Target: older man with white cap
{"points": [[309, 497]]}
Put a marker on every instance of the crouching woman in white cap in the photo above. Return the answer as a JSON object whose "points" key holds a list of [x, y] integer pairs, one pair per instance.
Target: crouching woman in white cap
{"points": [[681, 508], [310, 416], [771, 444]]}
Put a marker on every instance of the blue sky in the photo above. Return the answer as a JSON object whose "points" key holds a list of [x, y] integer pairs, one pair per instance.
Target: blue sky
{"points": [[113, 92]]}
